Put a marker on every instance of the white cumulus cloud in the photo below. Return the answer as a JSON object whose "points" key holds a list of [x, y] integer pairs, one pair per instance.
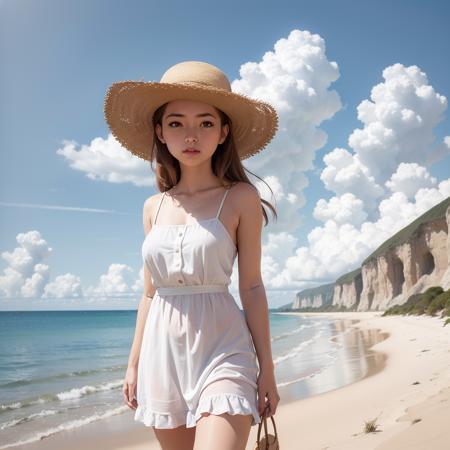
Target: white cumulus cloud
{"points": [[295, 78], [64, 286], [346, 208], [26, 273], [117, 280], [380, 188], [409, 178], [399, 119], [107, 160]]}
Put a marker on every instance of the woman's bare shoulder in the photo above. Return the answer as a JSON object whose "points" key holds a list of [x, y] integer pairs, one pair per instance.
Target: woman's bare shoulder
{"points": [[245, 193], [149, 210], [152, 200], [244, 201], [243, 187]]}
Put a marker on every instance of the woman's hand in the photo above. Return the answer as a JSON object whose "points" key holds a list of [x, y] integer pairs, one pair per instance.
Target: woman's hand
{"points": [[129, 387], [267, 386]]}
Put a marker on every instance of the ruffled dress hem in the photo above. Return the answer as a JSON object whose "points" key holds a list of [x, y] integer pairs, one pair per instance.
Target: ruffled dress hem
{"points": [[213, 404]]}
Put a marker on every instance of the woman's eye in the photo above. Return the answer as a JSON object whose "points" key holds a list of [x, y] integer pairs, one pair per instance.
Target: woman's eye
{"points": [[208, 122]]}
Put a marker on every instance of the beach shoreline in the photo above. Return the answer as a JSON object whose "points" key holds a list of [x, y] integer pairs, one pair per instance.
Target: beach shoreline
{"points": [[417, 350], [334, 420]]}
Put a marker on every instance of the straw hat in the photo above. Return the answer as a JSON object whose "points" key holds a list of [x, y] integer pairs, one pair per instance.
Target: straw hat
{"points": [[130, 105]]}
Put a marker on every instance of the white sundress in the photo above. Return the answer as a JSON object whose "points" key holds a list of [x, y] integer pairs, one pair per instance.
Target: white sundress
{"points": [[197, 353]]}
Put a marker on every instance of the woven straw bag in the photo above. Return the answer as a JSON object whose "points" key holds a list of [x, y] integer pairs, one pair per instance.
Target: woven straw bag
{"points": [[269, 441]]}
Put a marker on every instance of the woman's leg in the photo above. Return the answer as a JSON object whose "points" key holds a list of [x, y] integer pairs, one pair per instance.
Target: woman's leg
{"points": [[180, 438], [222, 432]]}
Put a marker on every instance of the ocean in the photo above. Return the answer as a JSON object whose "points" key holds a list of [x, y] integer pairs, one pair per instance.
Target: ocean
{"points": [[60, 370]]}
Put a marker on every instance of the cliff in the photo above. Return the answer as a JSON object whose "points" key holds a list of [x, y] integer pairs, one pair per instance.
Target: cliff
{"points": [[314, 297], [413, 259], [347, 289]]}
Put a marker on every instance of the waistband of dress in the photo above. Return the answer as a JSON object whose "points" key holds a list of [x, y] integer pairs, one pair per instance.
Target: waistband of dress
{"points": [[191, 289]]}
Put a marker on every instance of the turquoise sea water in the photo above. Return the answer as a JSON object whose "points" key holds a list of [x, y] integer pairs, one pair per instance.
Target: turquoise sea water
{"points": [[60, 370]]}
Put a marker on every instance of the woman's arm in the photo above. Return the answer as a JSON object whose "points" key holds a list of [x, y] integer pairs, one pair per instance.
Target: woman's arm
{"points": [[251, 288], [253, 295], [149, 291], [142, 313], [130, 382]]}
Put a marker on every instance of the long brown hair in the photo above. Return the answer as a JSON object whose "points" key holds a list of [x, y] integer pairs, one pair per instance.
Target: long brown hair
{"points": [[226, 164]]}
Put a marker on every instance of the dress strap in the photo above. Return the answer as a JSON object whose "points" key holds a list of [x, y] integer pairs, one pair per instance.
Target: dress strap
{"points": [[221, 203], [159, 206]]}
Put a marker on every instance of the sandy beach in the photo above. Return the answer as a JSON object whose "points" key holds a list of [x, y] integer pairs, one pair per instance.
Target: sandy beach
{"points": [[418, 351], [409, 396]]}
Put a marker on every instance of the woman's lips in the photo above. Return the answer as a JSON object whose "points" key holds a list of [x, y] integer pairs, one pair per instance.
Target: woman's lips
{"points": [[191, 151]]}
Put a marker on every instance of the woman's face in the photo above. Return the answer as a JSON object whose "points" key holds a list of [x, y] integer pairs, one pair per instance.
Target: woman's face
{"points": [[194, 125]]}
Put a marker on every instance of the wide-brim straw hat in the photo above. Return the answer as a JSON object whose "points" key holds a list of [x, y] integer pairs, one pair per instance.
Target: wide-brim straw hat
{"points": [[130, 105]]}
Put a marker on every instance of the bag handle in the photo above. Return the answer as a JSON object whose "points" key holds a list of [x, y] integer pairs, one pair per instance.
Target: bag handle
{"points": [[264, 421]]}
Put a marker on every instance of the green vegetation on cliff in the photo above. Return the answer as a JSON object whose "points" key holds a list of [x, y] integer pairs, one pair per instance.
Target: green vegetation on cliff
{"points": [[430, 302]]}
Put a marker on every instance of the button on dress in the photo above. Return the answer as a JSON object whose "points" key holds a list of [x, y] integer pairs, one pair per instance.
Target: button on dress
{"points": [[197, 353]]}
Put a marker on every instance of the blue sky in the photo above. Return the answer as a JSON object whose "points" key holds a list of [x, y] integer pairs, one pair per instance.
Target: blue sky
{"points": [[59, 57]]}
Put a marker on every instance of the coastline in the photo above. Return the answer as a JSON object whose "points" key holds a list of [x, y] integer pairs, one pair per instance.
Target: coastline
{"points": [[418, 350], [334, 420]]}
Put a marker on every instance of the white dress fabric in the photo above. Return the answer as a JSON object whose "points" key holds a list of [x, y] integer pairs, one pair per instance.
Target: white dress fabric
{"points": [[197, 353]]}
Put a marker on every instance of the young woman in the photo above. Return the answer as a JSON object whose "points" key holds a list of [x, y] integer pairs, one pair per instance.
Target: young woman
{"points": [[200, 370]]}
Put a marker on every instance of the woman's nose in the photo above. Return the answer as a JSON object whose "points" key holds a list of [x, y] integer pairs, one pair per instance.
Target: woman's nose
{"points": [[190, 138]]}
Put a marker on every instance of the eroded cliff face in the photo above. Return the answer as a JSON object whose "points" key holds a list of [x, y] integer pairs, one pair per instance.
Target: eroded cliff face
{"points": [[314, 297], [408, 268], [348, 294], [394, 274], [308, 301], [445, 282]]}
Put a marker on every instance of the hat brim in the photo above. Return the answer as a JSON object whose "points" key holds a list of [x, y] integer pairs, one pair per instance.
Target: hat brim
{"points": [[129, 107]]}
